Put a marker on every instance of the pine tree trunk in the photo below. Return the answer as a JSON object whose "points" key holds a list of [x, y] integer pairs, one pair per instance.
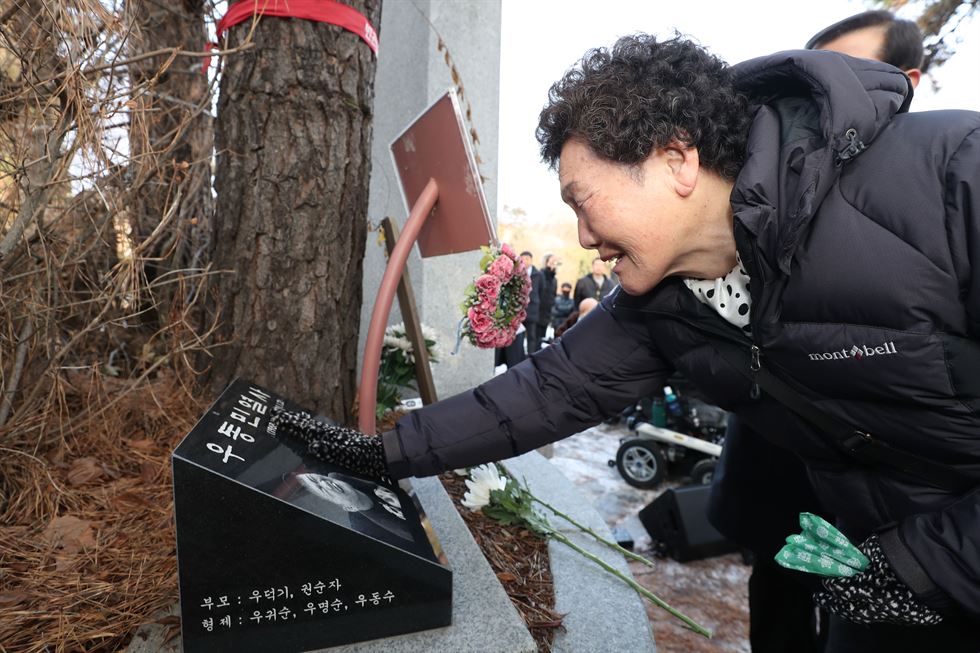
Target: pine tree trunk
{"points": [[294, 160]]}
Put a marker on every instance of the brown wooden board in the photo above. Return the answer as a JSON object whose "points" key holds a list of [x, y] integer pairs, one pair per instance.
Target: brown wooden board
{"points": [[436, 146]]}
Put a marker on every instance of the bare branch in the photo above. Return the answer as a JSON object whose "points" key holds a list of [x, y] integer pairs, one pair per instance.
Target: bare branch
{"points": [[23, 340], [35, 197]]}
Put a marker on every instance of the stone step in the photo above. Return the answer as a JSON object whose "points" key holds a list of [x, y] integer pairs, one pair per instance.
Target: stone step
{"points": [[601, 612]]}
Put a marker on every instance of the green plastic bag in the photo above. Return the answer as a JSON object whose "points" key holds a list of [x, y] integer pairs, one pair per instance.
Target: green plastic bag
{"points": [[821, 549]]}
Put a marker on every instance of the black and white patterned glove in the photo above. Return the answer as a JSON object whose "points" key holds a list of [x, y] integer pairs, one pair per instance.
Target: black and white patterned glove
{"points": [[361, 454], [875, 595]]}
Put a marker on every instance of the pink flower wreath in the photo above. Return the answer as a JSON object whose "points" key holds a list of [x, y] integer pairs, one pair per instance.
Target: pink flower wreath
{"points": [[495, 301]]}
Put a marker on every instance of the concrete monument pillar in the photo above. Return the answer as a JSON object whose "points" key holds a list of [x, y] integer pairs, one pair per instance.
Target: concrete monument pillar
{"points": [[412, 73]]}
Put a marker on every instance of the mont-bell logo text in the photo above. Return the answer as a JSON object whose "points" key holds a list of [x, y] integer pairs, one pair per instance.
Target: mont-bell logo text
{"points": [[856, 352]]}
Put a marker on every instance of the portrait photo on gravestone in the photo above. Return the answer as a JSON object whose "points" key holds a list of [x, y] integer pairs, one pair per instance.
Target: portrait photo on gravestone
{"points": [[365, 506]]}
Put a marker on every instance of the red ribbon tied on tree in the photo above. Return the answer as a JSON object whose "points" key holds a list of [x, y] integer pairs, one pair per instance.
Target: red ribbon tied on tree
{"points": [[323, 11]]}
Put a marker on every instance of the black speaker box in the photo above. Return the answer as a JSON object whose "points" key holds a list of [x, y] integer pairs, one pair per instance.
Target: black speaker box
{"points": [[677, 521]]}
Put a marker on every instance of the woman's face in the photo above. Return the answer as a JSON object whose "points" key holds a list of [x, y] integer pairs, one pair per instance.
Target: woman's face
{"points": [[630, 214], [336, 491]]}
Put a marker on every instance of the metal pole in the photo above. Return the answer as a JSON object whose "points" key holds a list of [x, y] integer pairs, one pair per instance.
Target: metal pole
{"points": [[368, 391]]}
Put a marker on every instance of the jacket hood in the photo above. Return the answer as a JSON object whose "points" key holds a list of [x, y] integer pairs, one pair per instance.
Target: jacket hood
{"points": [[850, 93], [815, 111]]}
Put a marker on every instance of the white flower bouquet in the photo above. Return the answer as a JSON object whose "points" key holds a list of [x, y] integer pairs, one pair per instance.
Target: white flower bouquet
{"points": [[397, 369], [499, 496]]}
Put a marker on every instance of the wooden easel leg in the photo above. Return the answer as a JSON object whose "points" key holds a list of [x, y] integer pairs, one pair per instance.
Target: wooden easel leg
{"points": [[410, 316], [367, 391]]}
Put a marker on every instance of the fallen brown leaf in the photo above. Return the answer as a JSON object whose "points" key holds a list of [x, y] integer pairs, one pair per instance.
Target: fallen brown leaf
{"points": [[111, 472], [139, 445], [69, 533], [10, 599], [130, 500], [149, 472], [65, 562], [506, 577], [173, 632], [84, 470]]}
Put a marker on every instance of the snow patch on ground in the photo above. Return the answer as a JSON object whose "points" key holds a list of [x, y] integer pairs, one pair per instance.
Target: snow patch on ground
{"points": [[713, 591]]}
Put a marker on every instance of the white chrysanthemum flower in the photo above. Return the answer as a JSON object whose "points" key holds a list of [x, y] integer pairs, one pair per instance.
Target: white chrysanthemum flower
{"points": [[391, 342], [483, 480], [394, 331], [403, 343], [430, 335], [397, 338]]}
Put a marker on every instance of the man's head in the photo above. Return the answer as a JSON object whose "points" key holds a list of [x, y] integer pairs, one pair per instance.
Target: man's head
{"points": [[875, 35], [598, 267], [336, 491], [566, 289], [527, 257], [586, 305], [551, 261]]}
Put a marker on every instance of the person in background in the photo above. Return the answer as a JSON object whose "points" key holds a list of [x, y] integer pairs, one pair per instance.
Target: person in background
{"points": [[743, 506], [549, 287], [535, 330], [583, 309], [564, 304], [513, 353], [595, 284], [877, 35]]}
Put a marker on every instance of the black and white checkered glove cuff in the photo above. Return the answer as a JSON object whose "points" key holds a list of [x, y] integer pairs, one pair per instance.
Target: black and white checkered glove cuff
{"points": [[337, 445], [875, 595]]}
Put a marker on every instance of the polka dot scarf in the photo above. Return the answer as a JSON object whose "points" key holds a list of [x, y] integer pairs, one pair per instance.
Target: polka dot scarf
{"points": [[728, 295]]}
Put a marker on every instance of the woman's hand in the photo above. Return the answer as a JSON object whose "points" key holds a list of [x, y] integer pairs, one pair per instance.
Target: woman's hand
{"points": [[875, 595], [361, 454]]}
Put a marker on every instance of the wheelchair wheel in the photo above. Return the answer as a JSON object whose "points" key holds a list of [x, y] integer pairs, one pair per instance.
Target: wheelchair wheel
{"points": [[641, 463], [703, 471]]}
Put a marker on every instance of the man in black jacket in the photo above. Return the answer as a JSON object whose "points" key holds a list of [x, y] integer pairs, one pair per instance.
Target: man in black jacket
{"points": [[549, 290], [535, 328], [595, 285], [784, 219]]}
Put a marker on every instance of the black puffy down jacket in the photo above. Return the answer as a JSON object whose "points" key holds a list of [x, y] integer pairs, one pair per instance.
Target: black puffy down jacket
{"points": [[859, 225]]}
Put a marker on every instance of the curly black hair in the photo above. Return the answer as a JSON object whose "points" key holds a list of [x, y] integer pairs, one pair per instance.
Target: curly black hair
{"points": [[641, 94]]}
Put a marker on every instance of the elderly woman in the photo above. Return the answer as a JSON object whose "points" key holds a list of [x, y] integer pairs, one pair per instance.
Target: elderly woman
{"points": [[807, 253]]}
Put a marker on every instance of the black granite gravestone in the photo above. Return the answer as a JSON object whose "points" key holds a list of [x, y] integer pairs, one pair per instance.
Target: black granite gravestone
{"points": [[279, 552]]}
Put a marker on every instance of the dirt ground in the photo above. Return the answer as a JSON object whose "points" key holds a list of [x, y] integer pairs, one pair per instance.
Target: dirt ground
{"points": [[714, 591]]}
